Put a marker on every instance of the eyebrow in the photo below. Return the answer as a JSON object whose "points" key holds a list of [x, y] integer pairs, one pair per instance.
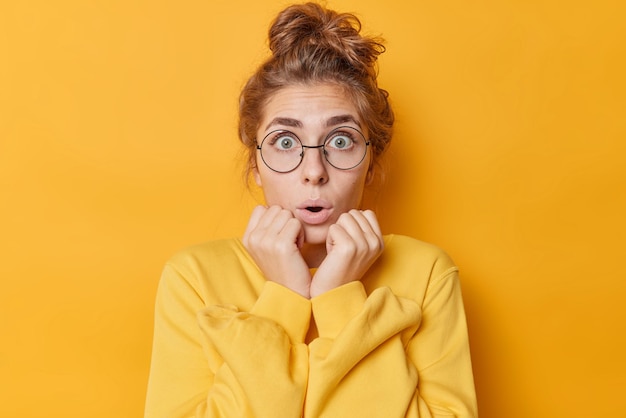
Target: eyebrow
{"points": [[341, 119], [292, 123], [295, 123]]}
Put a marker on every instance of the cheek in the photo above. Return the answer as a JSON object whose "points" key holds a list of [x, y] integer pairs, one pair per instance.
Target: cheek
{"points": [[257, 177], [355, 188], [275, 189]]}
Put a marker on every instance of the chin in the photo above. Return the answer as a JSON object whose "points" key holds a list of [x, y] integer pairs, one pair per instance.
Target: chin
{"points": [[315, 234]]}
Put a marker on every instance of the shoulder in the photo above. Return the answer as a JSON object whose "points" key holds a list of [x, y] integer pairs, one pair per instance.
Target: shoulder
{"points": [[218, 271], [410, 266], [409, 252], [209, 258], [224, 250]]}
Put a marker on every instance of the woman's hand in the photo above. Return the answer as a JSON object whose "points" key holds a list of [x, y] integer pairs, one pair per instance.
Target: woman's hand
{"points": [[273, 238], [352, 245]]}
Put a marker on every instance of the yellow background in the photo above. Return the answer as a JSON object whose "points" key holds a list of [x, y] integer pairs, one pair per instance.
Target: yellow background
{"points": [[118, 147]]}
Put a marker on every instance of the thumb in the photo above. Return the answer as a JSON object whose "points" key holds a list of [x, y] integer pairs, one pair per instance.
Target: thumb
{"points": [[335, 233], [300, 239]]}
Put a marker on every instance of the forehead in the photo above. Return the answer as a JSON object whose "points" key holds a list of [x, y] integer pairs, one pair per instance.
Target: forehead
{"points": [[309, 106]]}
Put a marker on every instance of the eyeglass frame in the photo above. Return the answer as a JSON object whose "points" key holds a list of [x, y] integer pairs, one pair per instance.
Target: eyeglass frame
{"points": [[304, 147]]}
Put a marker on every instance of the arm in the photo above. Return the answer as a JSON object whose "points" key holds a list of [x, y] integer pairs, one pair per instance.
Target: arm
{"points": [[358, 366], [383, 356], [218, 362], [440, 351]]}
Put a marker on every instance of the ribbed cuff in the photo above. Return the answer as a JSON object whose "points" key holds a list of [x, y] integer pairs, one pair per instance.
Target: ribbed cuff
{"points": [[333, 309], [287, 308]]}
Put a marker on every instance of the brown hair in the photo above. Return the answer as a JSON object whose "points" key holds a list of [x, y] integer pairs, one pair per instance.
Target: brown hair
{"points": [[311, 44]]}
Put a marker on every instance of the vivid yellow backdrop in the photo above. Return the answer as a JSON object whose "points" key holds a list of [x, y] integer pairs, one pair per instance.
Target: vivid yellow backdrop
{"points": [[118, 147]]}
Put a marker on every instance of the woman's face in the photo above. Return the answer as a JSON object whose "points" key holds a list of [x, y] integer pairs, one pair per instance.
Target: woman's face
{"points": [[315, 192]]}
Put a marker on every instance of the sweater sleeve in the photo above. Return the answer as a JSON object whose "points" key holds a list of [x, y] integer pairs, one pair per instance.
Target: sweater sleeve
{"points": [[413, 359], [215, 361], [440, 351]]}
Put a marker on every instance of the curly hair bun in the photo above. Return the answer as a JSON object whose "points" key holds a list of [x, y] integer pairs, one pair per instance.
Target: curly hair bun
{"points": [[305, 33]]}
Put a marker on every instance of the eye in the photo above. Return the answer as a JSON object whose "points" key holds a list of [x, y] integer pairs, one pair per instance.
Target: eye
{"points": [[340, 141], [284, 141]]}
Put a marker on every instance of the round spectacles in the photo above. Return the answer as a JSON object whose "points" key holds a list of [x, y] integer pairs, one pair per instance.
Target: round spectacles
{"points": [[344, 148]]}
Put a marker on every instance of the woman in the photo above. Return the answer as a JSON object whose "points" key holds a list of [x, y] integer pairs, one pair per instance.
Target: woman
{"points": [[314, 312]]}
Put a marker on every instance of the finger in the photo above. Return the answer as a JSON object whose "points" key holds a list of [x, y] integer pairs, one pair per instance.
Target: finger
{"points": [[370, 230], [373, 221], [263, 225], [253, 222], [293, 232], [373, 224], [273, 221], [337, 235], [355, 225], [268, 217]]}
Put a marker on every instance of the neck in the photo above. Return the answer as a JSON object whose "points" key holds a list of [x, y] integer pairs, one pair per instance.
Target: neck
{"points": [[313, 254]]}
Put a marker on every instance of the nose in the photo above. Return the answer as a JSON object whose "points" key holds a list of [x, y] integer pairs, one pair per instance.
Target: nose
{"points": [[313, 166]]}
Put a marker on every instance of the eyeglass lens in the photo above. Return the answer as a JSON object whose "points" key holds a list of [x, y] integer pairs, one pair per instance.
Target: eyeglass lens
{"points": [[344, 148]]}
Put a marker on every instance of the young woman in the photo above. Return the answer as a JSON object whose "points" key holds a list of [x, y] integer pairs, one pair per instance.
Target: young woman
{"points": [[314, 312]]}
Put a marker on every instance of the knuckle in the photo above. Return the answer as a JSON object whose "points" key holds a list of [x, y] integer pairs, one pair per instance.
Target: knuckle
{"points": [[346, 215]]}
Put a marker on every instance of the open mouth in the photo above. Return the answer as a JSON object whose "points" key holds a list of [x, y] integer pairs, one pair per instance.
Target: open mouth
{"points": [[314, 212]]}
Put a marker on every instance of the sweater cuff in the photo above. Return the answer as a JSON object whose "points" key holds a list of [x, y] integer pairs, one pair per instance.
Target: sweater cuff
{"points": [[285, 307], [333, 309]]}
